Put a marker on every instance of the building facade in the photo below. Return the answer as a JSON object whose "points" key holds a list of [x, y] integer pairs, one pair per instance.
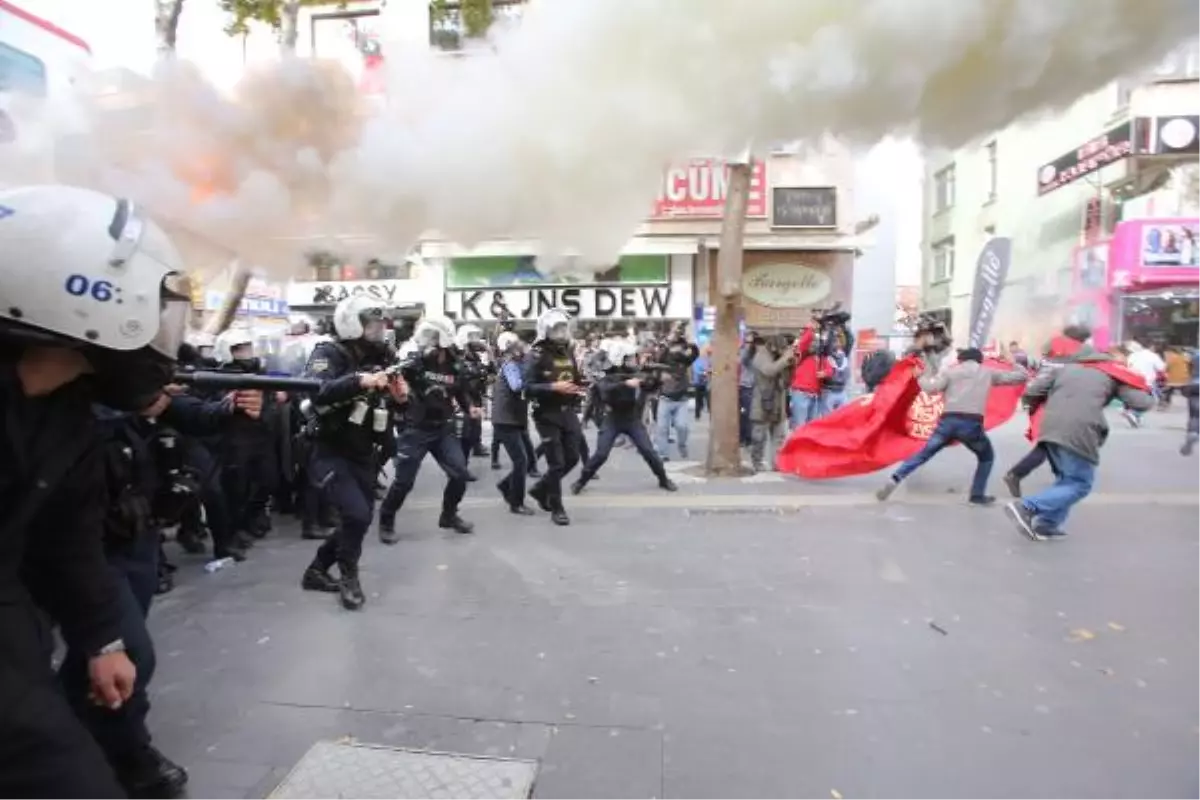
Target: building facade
{"points": [[1069, 190], [800, 243]]}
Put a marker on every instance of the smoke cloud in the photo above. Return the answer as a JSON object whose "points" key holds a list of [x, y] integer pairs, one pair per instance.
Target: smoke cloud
{"points": [[559, 129]]}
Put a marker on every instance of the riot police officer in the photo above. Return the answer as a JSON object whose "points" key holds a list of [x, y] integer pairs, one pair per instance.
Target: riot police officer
{"points": [[434, 374], [471, 347], [510, 420], [147, 479], [623, 390], [354, 421], [553, 383], [68, 255]]}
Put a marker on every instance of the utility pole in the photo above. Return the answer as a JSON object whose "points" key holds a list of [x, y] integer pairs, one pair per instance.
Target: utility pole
{"points": [[724, 449]]}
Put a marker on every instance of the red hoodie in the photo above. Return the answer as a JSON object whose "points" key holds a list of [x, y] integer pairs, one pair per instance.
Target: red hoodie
{"points": [[810, 368]]}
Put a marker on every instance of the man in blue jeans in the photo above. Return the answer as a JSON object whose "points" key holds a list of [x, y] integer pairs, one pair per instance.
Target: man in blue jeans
{"points": [[966, 386], [677, 354], [1073, 429]]}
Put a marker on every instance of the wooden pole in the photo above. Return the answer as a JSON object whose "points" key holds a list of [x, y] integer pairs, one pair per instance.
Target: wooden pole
{"points": [[724, 450]]}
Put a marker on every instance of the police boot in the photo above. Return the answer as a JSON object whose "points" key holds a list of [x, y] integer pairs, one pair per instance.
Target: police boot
{"points": [[317, 578], [387, 530], [148, 773], [310, 531], [261, 525], [455, 523], [350, 589], [533, 471], [190, 539], [666, 484], [559, 517], [538, 493], [578, 486]]}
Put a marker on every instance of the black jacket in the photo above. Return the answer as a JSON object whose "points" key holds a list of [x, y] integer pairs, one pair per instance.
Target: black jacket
{"points": [[338, 366], [544, 366], [51, 535], [436, 388]]}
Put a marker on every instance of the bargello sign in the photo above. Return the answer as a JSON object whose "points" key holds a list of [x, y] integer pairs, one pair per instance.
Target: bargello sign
{"points": [[786, 285]]}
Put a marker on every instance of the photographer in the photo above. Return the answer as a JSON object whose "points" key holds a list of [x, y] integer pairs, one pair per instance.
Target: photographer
{"points": [[677, 354], [931, 341], [815, 365], [768, 412]]}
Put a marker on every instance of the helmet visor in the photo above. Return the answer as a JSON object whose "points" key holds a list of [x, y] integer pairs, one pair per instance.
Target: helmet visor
{"points": [[176, 308]]}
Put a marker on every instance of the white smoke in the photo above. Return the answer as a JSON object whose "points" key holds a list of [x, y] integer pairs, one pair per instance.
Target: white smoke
{"points": [[560, 129]]}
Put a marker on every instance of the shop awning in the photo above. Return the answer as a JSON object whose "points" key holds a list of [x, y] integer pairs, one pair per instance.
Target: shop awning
{"points": [[802, 242]]}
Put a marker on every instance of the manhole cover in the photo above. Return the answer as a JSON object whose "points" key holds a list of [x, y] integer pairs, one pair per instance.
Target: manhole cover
{"points": [[350, 769]]}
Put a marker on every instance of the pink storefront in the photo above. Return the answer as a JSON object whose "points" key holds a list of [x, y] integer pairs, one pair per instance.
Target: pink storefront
{"points": [[1143, 283]]}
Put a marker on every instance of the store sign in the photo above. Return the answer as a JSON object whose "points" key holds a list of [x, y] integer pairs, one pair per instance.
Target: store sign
{"points": [[786, 285], [804, 207], [251, 305], [697, 190], [1175, 136], [581, 302], [329, 293], [1107, 149]]}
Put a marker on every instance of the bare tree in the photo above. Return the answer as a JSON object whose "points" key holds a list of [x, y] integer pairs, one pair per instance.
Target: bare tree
{"points": [[166, 24], [724, 449]]}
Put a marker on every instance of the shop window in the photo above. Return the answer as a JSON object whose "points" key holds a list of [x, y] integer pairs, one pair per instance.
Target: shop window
{"points": [[943, 260], [943, 189], [377, 270], [21, 72]]}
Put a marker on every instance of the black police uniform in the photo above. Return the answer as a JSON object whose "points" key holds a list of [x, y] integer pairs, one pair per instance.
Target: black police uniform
{"points": [[625, 407], [556, 421], [474, 377], [51, 556], [245, 454], [510, 429], [136, 480], [435, 385], [344, 461]]}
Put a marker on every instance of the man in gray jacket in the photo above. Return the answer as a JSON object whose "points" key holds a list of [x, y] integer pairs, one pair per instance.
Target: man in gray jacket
{"points": [[1073, 429], [965, 386]]}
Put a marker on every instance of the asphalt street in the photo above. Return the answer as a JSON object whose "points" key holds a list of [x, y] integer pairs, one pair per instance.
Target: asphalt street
{"points": [[761, 637]]}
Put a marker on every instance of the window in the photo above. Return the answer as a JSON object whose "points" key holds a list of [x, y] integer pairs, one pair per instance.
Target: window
{"points": [[380, 271], [993, 175], [943, 260], [943, 187], [449, 26], [21, 72]]}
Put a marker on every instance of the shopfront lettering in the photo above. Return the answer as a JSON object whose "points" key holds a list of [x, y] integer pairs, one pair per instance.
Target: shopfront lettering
{"points": [[333, 293], [1089, 157], [581, 302]]}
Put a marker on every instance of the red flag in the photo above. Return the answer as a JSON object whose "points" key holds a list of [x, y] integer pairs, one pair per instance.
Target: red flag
{"points": [[1113, 369], [879, 429]]}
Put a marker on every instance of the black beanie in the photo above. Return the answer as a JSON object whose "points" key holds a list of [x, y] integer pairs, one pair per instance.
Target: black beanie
{"points": [[970, 354]]}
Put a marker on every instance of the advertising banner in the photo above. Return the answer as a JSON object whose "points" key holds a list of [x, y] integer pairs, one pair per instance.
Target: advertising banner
{"points": [[489, 271], [697, 190], [991, 271]]}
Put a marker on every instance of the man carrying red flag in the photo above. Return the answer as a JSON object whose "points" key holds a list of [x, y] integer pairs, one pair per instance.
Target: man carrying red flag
{"points": [[1072, 430], [966, 387], [1060, 350]]}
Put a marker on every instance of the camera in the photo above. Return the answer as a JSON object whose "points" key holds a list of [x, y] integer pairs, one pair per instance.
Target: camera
{"points": [[930, 335], [833, 317]]}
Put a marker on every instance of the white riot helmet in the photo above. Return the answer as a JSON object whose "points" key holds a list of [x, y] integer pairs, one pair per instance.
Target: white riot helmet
{"points": [[434, 332], [87, 266], [229, 341], [466, 334], [79, 266], [507, 342], [619, 351], [359, 317], [554, 325]]}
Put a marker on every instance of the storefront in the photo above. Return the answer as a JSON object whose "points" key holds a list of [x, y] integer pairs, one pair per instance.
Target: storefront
{"points": [[646, 291], [263, 310], [403, 298], [782, 288], [1143, 284]]}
